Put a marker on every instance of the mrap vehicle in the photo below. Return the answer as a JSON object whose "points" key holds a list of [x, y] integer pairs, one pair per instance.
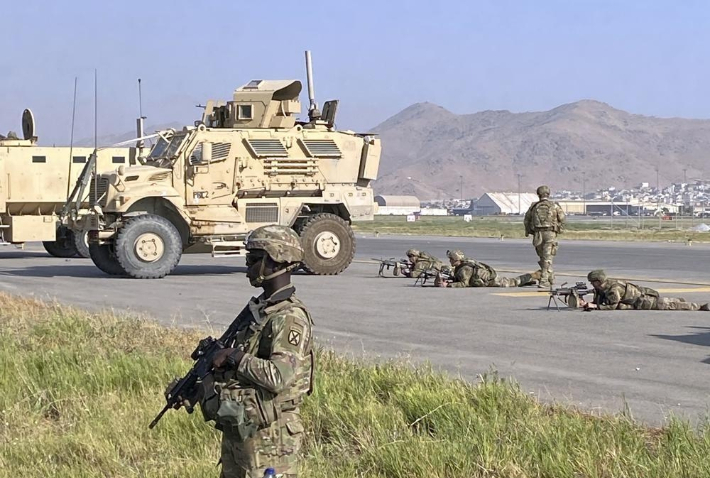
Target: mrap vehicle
{"points": [[249, 162]]}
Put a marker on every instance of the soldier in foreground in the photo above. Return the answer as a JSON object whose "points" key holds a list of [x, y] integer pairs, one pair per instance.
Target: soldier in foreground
{"points": [[544, 220], [261, 378], [471, 273], [612, 294], [421, 261]]}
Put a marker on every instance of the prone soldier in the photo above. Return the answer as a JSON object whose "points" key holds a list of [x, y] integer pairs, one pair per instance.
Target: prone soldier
{"points": [[421, 261], [612, 294], [471, 273]]}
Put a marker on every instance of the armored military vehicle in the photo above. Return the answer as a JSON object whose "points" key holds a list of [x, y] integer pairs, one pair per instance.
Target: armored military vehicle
{"points": [[248, 162], [34, 184]]}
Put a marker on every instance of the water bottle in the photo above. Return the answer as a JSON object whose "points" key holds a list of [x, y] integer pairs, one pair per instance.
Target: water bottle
{"points": [[269, 473]]}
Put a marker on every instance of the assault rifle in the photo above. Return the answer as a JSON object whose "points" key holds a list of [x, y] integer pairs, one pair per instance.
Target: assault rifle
{"points": [[569, 295], [186, 391], [401, 266], [446, 274]]}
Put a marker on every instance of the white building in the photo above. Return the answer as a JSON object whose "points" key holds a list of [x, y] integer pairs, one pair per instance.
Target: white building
{"points": [[397, 205], [503, 203]]}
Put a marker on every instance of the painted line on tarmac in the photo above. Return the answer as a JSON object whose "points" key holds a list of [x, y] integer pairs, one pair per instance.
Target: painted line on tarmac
{"points": [[584, 274], [544, 291]]}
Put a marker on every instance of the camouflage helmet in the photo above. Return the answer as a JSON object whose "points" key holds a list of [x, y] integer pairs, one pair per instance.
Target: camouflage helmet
{"points": [[414, 252], [596, 275], [281, 243], [456, 255], [543, 191]]}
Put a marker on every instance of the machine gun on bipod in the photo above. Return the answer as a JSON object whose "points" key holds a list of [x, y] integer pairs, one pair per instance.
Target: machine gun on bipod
{"points": [[569, 295], [444, 273], [402, 266]]}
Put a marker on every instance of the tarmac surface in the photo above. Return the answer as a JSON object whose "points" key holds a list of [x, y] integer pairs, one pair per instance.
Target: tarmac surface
{"points": [[653, 362]]}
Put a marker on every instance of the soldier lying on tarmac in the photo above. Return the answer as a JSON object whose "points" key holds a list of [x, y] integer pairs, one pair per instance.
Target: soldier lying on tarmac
{"points": [[421, 261], [612, 294], [471, 273]]}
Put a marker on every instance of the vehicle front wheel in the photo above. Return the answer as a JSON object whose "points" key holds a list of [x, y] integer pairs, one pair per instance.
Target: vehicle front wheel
{"points": [[148, 247], [328, 244]]}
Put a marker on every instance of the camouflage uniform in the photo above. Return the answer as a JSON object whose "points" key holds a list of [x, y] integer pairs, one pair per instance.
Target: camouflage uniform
{"points": [[471, 273], [271, 380], [422, 261], [544, 220], [620, 295]]}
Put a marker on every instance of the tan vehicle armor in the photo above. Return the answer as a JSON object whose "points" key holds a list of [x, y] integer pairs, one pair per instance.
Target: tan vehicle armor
{"points": [[246, 164]]}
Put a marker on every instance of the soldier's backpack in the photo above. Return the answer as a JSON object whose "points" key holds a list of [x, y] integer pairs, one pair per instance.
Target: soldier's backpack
{"points": [[544, 215], [475, 264]]}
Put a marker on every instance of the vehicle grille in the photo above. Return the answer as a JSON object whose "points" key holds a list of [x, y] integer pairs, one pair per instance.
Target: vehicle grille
{"points": [[267, 147], [262, 212], [97, 194], [322, 148]]}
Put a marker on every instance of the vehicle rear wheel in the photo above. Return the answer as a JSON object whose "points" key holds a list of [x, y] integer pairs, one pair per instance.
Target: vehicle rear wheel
{"points": [[81, 243], [63, 246], [105, 259], [148, 247], [328, 244]]}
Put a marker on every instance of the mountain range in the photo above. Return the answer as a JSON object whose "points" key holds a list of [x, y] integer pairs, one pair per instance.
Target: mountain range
{"points": [[430, 152]]}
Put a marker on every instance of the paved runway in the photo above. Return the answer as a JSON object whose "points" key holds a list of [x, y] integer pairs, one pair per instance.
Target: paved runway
{"points": [[657, 362]]}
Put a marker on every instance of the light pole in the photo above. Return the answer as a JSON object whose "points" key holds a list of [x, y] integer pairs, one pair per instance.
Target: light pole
{"points": [[584, 196], [461, 185], [519, 210], [658, 200]]}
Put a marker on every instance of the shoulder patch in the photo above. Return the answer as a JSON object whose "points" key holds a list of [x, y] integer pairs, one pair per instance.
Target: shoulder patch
{"points": [[294, 337]]}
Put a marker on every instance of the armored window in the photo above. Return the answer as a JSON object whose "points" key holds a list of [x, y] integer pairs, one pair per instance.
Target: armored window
{"points": [[78, 159], [39, 159], [118, 159], [244, 112]]}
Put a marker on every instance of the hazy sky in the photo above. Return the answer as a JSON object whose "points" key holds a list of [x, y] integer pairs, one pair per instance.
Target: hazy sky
{"points": [[648, 57]]}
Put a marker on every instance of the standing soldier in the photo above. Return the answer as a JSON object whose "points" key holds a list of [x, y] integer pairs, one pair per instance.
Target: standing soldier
{"points": [[544, 220], [262, 377]]}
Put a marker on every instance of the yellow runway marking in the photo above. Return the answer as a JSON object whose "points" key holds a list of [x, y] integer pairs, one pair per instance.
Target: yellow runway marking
{"points": [[540, 292]]}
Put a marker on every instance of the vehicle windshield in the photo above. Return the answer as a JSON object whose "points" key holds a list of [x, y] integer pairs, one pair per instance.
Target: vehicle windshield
{"points": [[166, 149]]}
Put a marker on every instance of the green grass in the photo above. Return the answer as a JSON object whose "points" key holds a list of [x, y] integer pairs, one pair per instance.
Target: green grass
{"points": [[77, 391], [629, 229]]}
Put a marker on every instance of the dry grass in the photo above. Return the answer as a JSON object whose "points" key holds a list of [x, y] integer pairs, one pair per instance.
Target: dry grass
{"points": [[77, 391]]}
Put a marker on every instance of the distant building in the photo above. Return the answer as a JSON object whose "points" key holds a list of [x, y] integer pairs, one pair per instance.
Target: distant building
{"points": [[397, 205], [503, 203]]}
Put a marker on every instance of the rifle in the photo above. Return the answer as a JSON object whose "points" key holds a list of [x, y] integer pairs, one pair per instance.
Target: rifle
{"points": [[569, 295], [187, 388], [401, 266], [445, 272]]}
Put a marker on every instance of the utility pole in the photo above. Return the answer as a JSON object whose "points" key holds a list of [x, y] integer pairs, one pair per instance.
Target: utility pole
{"points": [[519, 210], [658, 201], [584, 196], [461, 186], [685, 176]]}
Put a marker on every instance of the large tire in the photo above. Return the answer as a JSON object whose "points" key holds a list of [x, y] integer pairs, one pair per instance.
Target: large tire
{"points": [[81, 243], [104, 258], [63, 246], [148, 247], [328, 244]]}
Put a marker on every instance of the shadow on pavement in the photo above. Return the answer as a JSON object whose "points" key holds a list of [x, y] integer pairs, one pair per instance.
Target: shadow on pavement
{"points": [[701, 337], [20, 254], [91, 271]]}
